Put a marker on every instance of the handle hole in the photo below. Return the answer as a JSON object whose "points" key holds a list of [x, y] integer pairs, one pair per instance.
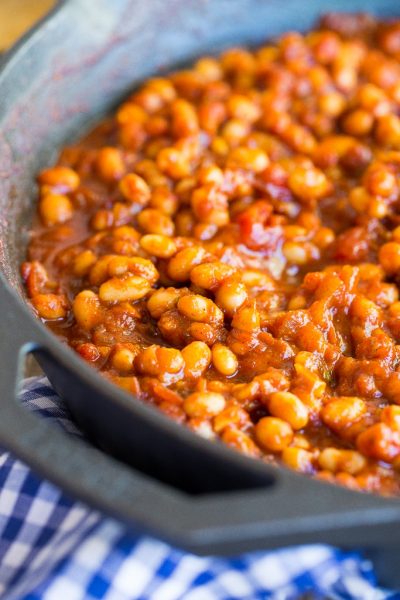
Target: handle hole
{"points": [[42, 400], [30, 366]]}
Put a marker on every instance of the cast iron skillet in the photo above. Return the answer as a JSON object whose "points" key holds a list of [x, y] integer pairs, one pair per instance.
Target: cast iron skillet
{"points": [[203, 496]]}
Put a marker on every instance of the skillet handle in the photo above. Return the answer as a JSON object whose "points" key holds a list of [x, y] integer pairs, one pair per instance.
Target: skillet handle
{"points": [[66, 460]]}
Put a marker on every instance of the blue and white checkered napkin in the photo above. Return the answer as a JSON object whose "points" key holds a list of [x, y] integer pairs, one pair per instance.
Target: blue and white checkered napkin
{"points": [[53, 548]]}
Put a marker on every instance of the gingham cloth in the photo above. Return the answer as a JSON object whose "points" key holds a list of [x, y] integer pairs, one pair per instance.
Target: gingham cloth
{"points": [[54, 548]]}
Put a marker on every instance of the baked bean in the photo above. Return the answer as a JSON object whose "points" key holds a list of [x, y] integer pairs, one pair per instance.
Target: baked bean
{"points": [[332, 103], [198, 308], [360, 199], [202, 427], [380, 442], [211, 274], [163, 87], [341, 413], [241, 107], [63, 179], [295, 253], [181, 265], [159, 361], [209, 68], [204, 231], [394, 309], [204, 404], [130, 112], [151, 173], [197, 357], [388, 131], [110, 164], [334, 459], [83, 263], [162, 300], [55, 208], [240, 441], [87, 309], [164, 200], [211, 174], [122, 289], [123, 359], [380, 180], [173, 163], [35, 277], [210, 205], [289, 408], [389, 257], [233, 416], [300, 441], [135, 189], [203, 332], [324, 237], [119, 265], [50, 306], [153, 221], [298, 137], [184, 118], [359, 122], [248, 158], [157, 245], [234, 132], [298, 459], [219, 146], [391, 416], [99, 271], [103, 219], [273, 434], [247, 318], [131, 136], [308, 183], [257, 279], [230, 296], [224, 360]]}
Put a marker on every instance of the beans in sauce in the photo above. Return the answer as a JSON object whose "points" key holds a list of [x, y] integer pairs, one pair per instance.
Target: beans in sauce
{"points": [[227, 248]]}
